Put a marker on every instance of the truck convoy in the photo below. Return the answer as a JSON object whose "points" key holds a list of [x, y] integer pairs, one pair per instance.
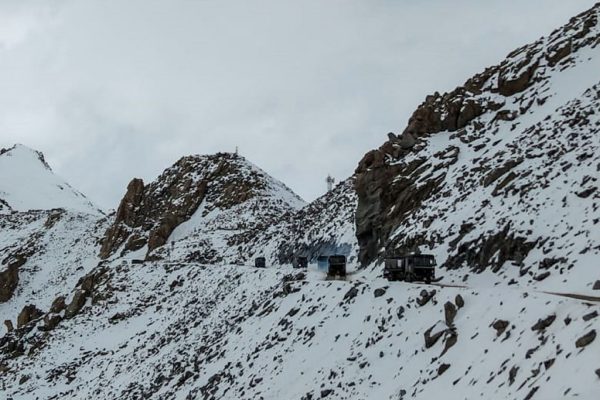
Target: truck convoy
{"points": [[409, 268]]}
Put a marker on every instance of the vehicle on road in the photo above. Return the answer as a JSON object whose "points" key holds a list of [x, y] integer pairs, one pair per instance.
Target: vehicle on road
{"points": [[336, 266], [260, 262], [409, 268], [301, 262]]}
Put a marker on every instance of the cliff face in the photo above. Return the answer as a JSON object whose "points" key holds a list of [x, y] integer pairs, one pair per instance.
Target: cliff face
{"points": [[502, 169]]}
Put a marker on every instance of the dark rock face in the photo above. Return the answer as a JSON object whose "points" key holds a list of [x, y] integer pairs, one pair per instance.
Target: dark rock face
{"points": [[125, 217], [58, 305], [28, 314], [76, 304], [9, 279], [148, 214]]}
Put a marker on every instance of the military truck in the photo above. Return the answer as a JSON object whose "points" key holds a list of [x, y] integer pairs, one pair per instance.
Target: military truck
{"points": [[260, 262], [300, 262], [336, 266], [409, 268]]}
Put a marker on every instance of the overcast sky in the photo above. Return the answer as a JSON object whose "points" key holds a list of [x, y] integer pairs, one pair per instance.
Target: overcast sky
{"points": [[113, 89]]}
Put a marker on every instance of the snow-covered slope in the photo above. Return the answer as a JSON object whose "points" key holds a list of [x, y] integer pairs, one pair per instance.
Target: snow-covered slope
{"points": [[28, 183], [42, 253], [49, 233], [499, 178], [233, 332]]}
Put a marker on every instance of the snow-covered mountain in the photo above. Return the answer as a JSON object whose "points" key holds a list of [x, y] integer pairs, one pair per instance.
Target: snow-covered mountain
{"points": [[499, 179], [28, 183], [49, 233], [201, 209], [500, 176]]}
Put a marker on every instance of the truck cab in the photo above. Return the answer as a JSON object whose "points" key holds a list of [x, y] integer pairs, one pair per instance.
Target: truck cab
{"points": [[412, 267], [260, 262], [336, 266]]}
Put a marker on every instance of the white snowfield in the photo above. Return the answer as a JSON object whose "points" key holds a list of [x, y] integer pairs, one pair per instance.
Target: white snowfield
{"points": [[230, 332], [28, 183]]}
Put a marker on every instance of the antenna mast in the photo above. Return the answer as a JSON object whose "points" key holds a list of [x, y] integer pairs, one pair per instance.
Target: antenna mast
{"points": [[330, 181]]}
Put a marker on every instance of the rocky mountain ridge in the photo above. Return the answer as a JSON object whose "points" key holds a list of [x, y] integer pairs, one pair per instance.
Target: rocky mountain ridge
{"points": [[498, 179], [221, 195], [500, 174]]}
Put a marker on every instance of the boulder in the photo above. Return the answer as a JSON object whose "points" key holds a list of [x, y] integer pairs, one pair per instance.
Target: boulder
{"points": [[432, 339], [28, 313], [9, 325], [443, 368], [407, 141], [449, 313], [543, 323], [590, 316], [51, 321], [450, 340], [516, 72], [379, 292], [596, 285], [58, 305], [426, 296], [459, 301], [350, 294], [500, 326], [586, 339]]}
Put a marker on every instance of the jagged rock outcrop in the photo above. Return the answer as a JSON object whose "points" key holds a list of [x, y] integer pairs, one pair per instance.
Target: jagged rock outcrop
{"points": [[502, 141], [9, 279], [219, 183], [28, 314]]}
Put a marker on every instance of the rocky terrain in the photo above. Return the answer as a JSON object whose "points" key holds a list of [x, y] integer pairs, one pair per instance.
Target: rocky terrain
{"points": [[500, 174], [498, 179], [206, 207]]}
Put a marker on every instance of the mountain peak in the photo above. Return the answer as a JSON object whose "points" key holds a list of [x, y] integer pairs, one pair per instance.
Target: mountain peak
{"points": [[28, 183], [223, 190], [22, 151]]}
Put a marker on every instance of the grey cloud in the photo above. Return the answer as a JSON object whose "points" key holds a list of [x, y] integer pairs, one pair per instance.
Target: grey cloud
{"points": [[112, 90]]}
